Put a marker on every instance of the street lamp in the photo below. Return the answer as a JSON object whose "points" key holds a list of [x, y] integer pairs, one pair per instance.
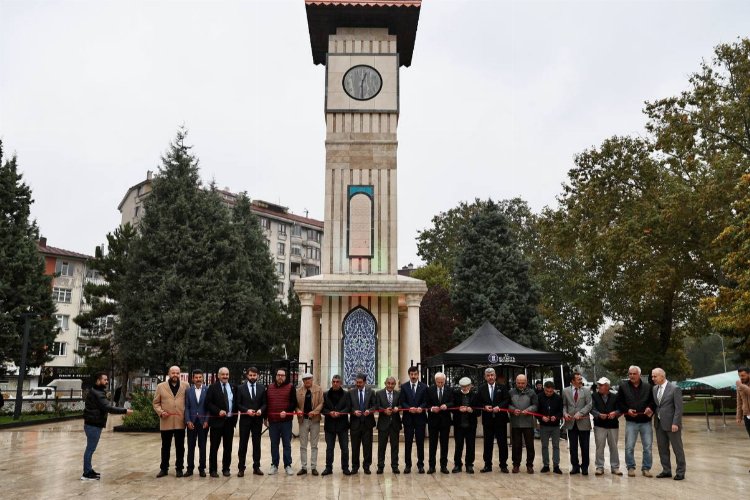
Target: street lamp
{"points": [[723, 352]]}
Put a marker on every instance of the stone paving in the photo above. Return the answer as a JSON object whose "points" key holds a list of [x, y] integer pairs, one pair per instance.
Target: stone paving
{"points": [[44, 461]]}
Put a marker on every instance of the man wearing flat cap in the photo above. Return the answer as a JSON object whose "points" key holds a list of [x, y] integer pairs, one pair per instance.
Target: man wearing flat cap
{"points": [[310, 404], [464, 426]]}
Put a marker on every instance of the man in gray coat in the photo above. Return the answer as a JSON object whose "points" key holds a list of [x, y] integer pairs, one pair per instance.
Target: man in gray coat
{"points": [[668, 424], [523, 401], [577, 405]]}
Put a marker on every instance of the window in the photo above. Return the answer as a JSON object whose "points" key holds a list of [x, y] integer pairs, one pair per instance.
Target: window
{"points": [[265, 223], [294, 268], [59, 348], [64, 268], [296, 250], [62, 321], [297, 230], [268, 243], [282, 228], [137, 209], [280, 268], [312, 253], [313, 235], [280, 288], [312, 270], [280, 248], [62, 295], [93, 274]]}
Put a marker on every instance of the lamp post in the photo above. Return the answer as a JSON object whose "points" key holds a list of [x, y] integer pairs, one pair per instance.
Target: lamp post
{"points": [[22, 369]]}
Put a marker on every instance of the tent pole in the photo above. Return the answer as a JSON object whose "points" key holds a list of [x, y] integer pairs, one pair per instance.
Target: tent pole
{"points": [[562, 378]]}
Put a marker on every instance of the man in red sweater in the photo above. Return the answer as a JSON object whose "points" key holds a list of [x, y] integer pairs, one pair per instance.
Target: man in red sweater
{"points": [[282, 399]]}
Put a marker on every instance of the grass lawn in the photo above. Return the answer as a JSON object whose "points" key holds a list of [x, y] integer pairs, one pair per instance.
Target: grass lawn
{"points": [[41, 417]]}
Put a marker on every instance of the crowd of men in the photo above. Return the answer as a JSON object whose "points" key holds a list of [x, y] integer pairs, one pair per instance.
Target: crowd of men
{"points": [[209, 415]]}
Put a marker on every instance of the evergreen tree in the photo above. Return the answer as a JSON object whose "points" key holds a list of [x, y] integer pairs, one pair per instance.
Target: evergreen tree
{"points": [[24, 288], [491, 280]]}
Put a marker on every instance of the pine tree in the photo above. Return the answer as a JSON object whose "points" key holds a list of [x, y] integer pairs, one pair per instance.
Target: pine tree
{"points": [[491, 280], [24, 288]]}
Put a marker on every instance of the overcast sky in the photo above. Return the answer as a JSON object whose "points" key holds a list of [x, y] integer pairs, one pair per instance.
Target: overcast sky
{"points": [[500, 97]]}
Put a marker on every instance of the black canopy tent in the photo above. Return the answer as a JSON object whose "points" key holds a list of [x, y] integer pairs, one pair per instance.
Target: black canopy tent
{"points": [[487, 347]]}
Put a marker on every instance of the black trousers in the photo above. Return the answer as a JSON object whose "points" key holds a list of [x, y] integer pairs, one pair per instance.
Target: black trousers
{"points": [[747, 424], [252, 428], [361, 437], [198, 435], [343, 437], [166, 446], [464, 436], [519, 437], [495, 431], [439, 433], [221, 435], [412, 433], [576, 436], [384, 437]]}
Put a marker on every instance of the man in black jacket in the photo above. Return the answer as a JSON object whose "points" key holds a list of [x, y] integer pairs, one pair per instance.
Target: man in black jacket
{"points": [[94, 420], [439, 399], [251, 406], [336, 408], [221, 403], [550, 404], [493, 397], [606, 426], [389, 423], [636, 401], [464, 425]]}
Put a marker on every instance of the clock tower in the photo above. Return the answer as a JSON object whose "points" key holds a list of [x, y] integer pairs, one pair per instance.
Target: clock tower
{"points": [[359, 315]]}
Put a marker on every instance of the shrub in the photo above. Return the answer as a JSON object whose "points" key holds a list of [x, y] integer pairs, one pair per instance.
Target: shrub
{"points": [[143, 416]]}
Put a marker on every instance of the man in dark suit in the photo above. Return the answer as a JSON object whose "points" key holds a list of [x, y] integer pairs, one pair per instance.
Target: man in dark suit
{"points": [[389, 423], [336, 409], [197, 423], [362, 401], [414, 418], [493, 397], [668, 424], [221, 403], [439, 399], [251, 406], [464, 426]]}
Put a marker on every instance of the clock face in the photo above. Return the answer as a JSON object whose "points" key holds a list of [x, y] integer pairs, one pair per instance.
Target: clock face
{"points": [[362, 82]]}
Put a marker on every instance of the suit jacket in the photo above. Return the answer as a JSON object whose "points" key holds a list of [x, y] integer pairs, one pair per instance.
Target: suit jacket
{"points": [[317, 401], [367, 422], [471, 417], [340, 423], [443, 417], [501, 399], [669, 410], [215, 403], [581, 407], [411, 399], [386, 422], [195, 410], [166, 401], [245, 402]]}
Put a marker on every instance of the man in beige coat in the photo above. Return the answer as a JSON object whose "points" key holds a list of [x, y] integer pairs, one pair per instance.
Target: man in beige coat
{"points": [[169, 404], [743, 398], [310, 403]]}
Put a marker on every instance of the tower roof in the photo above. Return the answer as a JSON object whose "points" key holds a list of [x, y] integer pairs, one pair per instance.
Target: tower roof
{"points": [[399, 16]]}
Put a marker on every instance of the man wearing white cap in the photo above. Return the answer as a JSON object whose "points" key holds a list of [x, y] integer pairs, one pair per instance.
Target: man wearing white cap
{"points": [[310, 404], [606, 426], [465, 426]]}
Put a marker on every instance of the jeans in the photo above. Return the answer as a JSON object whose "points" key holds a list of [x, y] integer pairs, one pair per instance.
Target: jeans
{"points": [[632, 430], [281, 431], [608, 437], [309, 433], [546, 433], [92, 440]]}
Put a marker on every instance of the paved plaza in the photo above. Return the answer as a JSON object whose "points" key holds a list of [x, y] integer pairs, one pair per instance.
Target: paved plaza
{"points": [[44, 461]]}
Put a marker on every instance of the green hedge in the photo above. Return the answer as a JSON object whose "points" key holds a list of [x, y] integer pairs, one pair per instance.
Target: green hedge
{"points": [[143, 416]]}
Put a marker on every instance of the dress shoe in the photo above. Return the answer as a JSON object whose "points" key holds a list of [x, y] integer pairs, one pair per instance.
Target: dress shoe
{"points": [[346, 472], [226, 473], [444, 470], [407, 469], [241, 473], [367, 471], [178, 473], [161, 473], [679, 477], [431, 470], [326, 472], [302, 472], [379, 470], [485, 469], [556, 470], [355, 470], [456, 470], [188, 473], [585, 472], [545, 469], [202, 473], [515, 469], [214, 474], [662, 475], [395, 470], [314, 472], [470, 469], [257, 472], [420, 470], [647, 473], [529, 469], [504, 469], [575, 470]]}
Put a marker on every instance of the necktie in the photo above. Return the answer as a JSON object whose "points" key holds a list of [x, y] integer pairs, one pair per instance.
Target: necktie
{"points": [[226, 397], [414, 388], [440, 395], [361, 400], [660, 393], [390, 399], [252, 391], [492, 393], [575, 396]]}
